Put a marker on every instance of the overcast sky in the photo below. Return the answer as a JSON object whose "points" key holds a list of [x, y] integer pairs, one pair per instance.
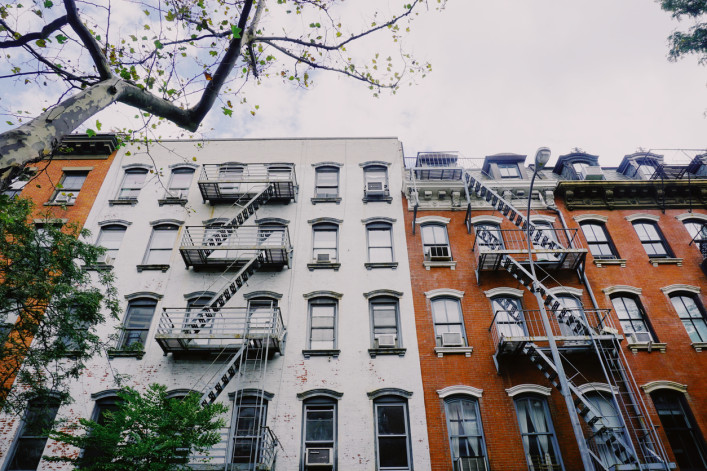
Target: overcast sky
{"points": [[508, 76]]}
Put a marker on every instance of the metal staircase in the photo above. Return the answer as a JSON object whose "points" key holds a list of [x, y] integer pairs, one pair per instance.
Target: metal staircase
{"points": [[633, 442]]}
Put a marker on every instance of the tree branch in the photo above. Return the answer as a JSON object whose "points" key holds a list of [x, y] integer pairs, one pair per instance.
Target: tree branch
{"points": [[94, 49], [43, 34]]}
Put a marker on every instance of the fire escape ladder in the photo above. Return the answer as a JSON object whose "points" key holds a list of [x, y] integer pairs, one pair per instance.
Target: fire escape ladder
{"points": [[251, 206], [634, 423]]}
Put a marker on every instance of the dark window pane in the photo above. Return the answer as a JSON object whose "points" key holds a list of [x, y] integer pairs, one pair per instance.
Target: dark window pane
{"points": [[391, 420], [393, 452]]}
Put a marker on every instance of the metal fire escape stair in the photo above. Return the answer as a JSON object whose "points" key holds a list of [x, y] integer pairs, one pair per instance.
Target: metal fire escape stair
{"points": [[618, 440]]}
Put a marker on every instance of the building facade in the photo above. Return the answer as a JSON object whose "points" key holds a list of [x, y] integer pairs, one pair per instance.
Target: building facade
{"points": [[270, 275], [620, 289]]}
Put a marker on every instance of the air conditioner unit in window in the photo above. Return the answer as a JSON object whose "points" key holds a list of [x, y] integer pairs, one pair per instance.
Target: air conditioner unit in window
{"points": [[477, 463], [323, 258], [386, 340], [375, 188], [62, 198], [105, 259], [452, 339], [639, 338], [593, 173], [176, 194], [316, 457], [439, 253]]}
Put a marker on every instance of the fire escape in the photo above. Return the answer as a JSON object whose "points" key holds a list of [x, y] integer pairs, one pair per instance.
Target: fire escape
{"points": [[624, 439], [246, 336]]}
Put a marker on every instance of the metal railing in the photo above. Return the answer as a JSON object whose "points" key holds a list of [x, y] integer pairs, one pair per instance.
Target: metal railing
{"points": [[247, 173], [258, 450], [235, 238], [575, 329], [222, 323]]}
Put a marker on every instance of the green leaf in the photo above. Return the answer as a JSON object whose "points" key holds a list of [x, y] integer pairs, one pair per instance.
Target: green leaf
{"points": [[41, 43], [10, 123], [236, 31], [90, 132], [48, 4], [98, 125], [60, 38], [158, 44], [226, 111]]}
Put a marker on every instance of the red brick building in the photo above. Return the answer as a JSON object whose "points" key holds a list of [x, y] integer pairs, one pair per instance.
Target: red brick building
{"points": [[621, 284]]}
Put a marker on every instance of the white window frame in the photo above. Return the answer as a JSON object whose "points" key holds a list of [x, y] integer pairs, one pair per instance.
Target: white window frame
{"points": [[131, 191], [150, 250], [69, 194], [378, 405]]}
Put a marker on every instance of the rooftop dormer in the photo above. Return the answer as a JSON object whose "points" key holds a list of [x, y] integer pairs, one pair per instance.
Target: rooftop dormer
{"points": [[578, 165], [640, 165], [505, 166]]}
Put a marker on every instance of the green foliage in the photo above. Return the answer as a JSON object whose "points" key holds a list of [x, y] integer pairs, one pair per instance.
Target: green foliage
{"points": [[148, 432], [694, 40], [55, 302]]}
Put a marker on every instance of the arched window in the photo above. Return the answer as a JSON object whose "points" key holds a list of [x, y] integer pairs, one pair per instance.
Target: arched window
{"points": [[327, 182], [160, 245], [569, 322], [652, 239], [26, 451], [598, 240], [322, 323], [379, 236], [325, 242], [375, 182], [136, 324], [466, 435], [632, 318], [133, 180], [107, 402], [448, 321], [435, 243], [319, 433], [488, 236], [692, 314], [110, 237], [385, 322], [538, 433], [251, 439], [508, 317], [230, 176], [392, 433], [611, 420], [179, 183]]}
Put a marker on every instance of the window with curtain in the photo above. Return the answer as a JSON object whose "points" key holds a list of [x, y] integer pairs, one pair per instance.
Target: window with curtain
{"points": [[137, 322], [488, 236], [679, 425], [508, 316], [29, 445], [110, 237], [652, 239], [604, 405], [447, 317], [692, 315], [320, 429], [466, 436], [538, 434], [598, 241], [392, 434], [631, 314], [132, 183], [160, 245]]}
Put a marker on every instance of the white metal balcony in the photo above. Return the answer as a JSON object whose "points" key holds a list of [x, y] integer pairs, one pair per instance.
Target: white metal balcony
{"points": [[231, 182]]}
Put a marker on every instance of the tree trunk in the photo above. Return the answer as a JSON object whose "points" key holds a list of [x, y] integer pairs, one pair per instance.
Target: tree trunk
{"points": [[39, 137]]}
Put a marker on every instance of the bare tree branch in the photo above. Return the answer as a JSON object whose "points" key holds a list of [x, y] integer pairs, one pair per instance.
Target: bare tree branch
{"points": [[43, 34], [89, 42]]}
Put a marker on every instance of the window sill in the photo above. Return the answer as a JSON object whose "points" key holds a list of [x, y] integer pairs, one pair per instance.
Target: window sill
{"points": [[440, 351], [450, 264], [666, 261], [647, 347], [699, 346], [125, 354], [321, 353], [375, 199], [370, 266], [162, 268], [325, 266], [98, 267], [334, 199], [175, 201], [126, 201], [54, 203], [610, 261], [373, 352]]}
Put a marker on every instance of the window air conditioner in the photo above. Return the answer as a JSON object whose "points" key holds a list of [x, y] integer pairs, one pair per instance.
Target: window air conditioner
{"points": [[375, 188], [323, 258], [105, 259], [593, 173], [386, 340], [440, 253], [319, 457], [176, 194], [639, 338], [452, 339], [470, 464], [62, 198]]}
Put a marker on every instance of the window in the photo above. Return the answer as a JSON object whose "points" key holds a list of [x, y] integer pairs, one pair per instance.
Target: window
{"points": [[692, 315], [569, 328], [508, 316], [325, 242], [233, 176], [320, 433], [322, 323], [159, 248], [133, 181], [538, 434], [103, 405], [488, 236], [580, 169], [375, 178], [679, 425], [137, 322], [447, 318], [645, 171], [508, 170], [697, 229], [611, 419], [547, 240], [435, 243], [179, 183], [466, 436], [279, 173], [261, 312], [110, 238], [327, 182], [392, 434], [251, 416], [33, 436], [71, 184], [385, 322], [631, 315], [600, 245], [652, 239], [379, 236]]}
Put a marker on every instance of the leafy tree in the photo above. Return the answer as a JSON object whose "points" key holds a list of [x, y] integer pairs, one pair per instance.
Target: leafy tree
{"points": [[694, 40], [176, 59], [48, 305], [149, 432]]}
